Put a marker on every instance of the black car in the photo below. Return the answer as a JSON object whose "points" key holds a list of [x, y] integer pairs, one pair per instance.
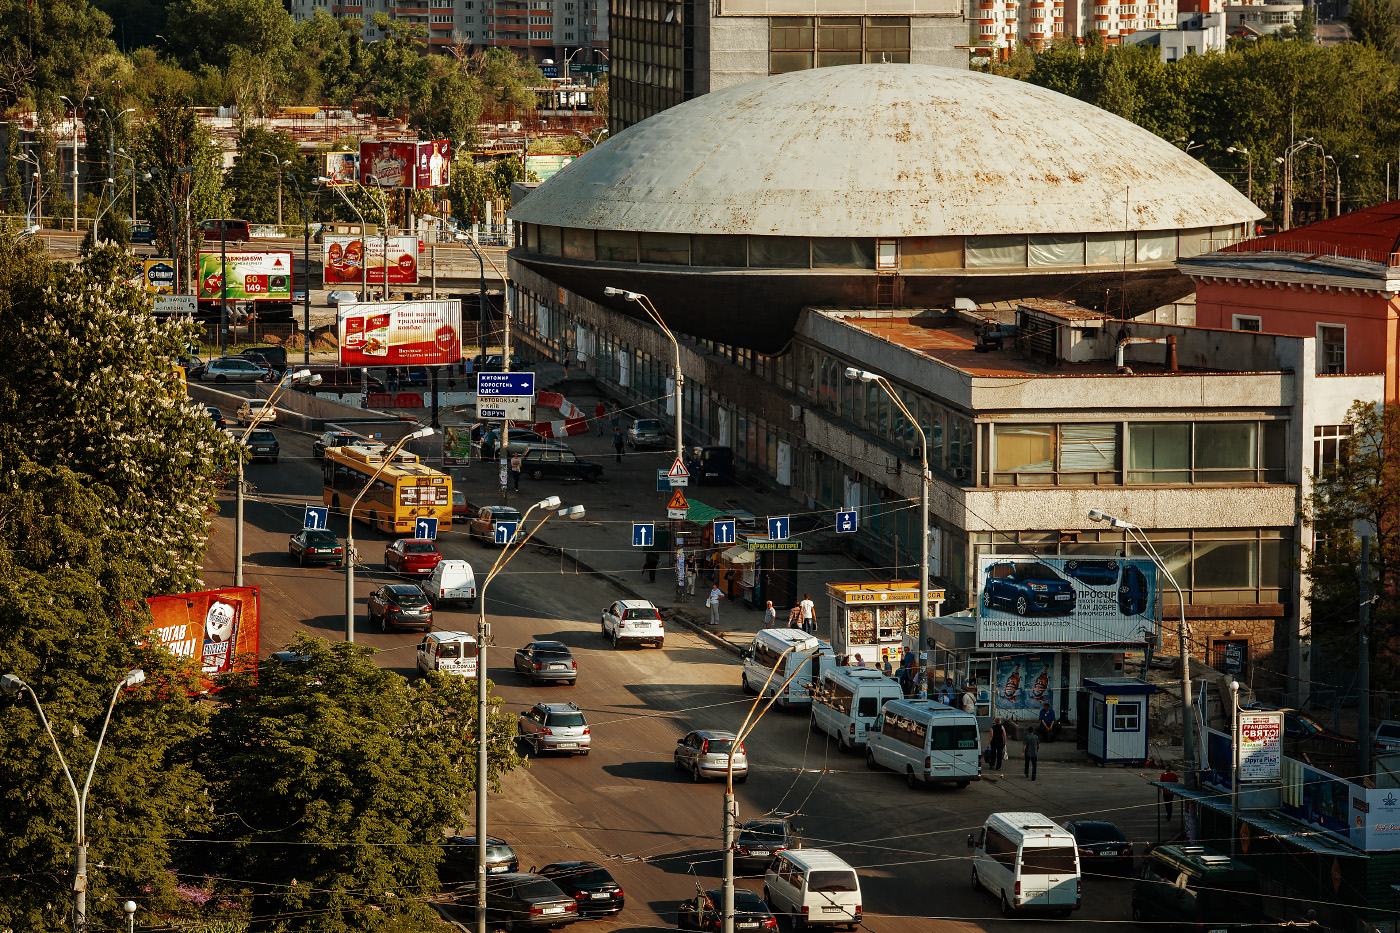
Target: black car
{"points": [[332, 439], [710, 464], [1132, 592], [491, 363], [458, 865], [275, 358], [400, 605], [263, 445], [315, 546], [1103, 849], [216, 416], [703, 912], [520, 900], [143, 232], [589, 884], [759, 840], [559, 463], [546, 660]]}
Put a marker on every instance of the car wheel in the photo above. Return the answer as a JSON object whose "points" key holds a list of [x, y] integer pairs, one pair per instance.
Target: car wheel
{"points": [[676, 762], [975, 883], [1137, 912], [537, 475], [842, 747], [660, 643], [812, 724], [961, 784], [614, 641], [1006, 909], [870, 760], [384, 624], [910, 779], [744, 677], [1023, 605], [695, 777], [603, 629], [220, 379]]}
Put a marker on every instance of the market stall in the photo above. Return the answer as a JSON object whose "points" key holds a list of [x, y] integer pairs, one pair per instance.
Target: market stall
{"points": [[876, 620]]}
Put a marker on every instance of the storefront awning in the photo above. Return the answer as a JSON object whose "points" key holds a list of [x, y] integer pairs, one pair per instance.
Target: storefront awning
{"points": [[740, 555]]}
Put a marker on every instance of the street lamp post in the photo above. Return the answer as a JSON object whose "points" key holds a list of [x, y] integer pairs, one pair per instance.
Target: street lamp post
{"points": [[279, 164], [364, 234], [12, 685], [1337, 198], [924, 484], [1286, 160], [1250, 156], [481, 293], [1235, 762], [383, 235], [1183, 650], [74, 172], [305, 272], [302, 375], [483, 637], [160, 191], [350, 529], [504, 473], [652, 313]]}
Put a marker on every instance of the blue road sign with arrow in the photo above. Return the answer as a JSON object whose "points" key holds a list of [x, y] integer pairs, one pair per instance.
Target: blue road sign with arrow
{"points": [[425, 528], [316, 517], [778, 529], [845, 522], [505, 532], [724, 531], [643, 534]]}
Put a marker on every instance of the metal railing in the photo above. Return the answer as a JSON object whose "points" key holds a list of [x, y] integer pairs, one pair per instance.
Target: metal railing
{"points": [[1314, 248]]}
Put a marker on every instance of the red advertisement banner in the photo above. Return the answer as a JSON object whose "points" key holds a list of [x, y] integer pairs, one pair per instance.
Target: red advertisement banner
{"points": [[401, 333], [218, 629], [343, 256]]}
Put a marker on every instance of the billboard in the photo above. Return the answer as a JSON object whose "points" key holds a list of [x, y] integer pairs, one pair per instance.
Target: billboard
{"points": [[1025, 681], [156, 276], [1261, 745], [405, 164], [1045, 602], [342, 168], [401, 333], [434, 158], [250, 276], [456, 446], [218, 629], [342, 257]]}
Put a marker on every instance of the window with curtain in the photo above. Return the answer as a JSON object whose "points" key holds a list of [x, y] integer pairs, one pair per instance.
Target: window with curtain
{"points": [[1057, 249], [1008, 251], [1105, 249], [843, 253], [779, 252], [1088, 453], [1159, 453], [1026, 449], [718, 250], [1067, 454], [1227, 450]]}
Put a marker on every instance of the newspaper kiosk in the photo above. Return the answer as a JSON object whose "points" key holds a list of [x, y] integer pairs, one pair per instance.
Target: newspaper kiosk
{"points": [[876, 620]]}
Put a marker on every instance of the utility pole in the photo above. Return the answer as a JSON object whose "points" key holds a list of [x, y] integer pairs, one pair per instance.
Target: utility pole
{"points": [[1363, 668]]}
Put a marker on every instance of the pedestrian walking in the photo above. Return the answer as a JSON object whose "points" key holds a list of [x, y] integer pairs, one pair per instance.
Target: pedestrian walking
{"points": [[809, 614], [649, 566], [860, 662], [618, 441], [566, 364], [969, 699], [945, 693], [713, 604], [770, 616], [600, 411], [616, 417], [887, 667], [1168, 776], [692, 572], [997, 746], [488, 445], [1030, 751], [517, 461]]}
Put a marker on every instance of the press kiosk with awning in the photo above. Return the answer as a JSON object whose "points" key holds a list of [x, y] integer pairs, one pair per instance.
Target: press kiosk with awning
{"points": [[873, 619]]}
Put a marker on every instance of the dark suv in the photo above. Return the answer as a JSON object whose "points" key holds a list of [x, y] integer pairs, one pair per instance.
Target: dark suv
{"points": [[1027, 586], [1093, 572], [759, 840], [458, 864], [559, 463], [275, 358], [710, 464], [262, 444]]}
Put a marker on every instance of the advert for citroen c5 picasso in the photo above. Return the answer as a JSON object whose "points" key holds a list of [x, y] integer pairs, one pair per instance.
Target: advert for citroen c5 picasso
{"points": [[1030, 601]]}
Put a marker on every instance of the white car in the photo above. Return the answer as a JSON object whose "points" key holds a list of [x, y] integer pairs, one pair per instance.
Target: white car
{"points": [[256, 408], [633, 620], [233, 369]]}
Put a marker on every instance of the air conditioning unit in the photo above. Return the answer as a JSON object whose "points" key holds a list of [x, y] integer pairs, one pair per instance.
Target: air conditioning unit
{"points": [[959, 473], [797, 413], [892, 465]]}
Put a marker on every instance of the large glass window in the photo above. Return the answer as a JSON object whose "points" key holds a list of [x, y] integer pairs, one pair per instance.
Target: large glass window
{"points": [[718, 250], [549, 241], [668, 248], [931, 252], [1227, 449], [1208, 452], [1105, 249], [843, 253], [617, 246], [1057, 249], [578, 244], [1033, 454], [997, 250], [1159, 453], [779, 252]]}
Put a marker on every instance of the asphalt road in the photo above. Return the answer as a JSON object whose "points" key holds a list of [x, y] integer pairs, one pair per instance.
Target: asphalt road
{"points": [[624, 805]]}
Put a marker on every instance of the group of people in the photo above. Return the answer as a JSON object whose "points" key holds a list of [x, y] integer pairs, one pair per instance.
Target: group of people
{"points": [[1046, 729]]}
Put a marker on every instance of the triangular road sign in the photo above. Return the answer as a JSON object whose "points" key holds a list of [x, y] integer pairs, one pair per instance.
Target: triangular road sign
{"points": [[678, 469], [678, 501]]}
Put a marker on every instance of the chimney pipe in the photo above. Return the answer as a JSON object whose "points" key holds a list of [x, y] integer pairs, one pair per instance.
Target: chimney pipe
{"points": [[1118, 353], [1171, 353]]}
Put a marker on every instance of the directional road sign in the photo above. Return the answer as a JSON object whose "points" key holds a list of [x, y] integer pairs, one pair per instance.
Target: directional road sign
{"points": [[425, 528], [663, 480], [778, 529], [643, 534], [677, 507], [679, 475], [504, 396], [845, 522], [505, 532], [315, 518], [724, 531]]}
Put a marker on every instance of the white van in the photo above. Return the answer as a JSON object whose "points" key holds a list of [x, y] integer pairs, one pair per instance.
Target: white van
{"points": [[452, 580], [813, 887], [847, 701], [925, 741], [765, 656], [448, 652], [1028, 862]]}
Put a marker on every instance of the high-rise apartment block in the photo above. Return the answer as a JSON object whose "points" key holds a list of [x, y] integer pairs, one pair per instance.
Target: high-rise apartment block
{"points": [[998, 26]]}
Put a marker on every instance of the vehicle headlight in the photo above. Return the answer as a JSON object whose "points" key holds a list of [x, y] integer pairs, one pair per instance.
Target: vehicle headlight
{"points": [[1038, 587]]}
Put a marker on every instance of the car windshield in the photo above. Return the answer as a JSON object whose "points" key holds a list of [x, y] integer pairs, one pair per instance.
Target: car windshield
{"points": [[539, 888], [1388, 730], [321, 538], [499, 853], [552, 651], [458, 498], [1036, 572], [649, 613], [566, 719], [766, 832], [457, 649], [415, 598], [744, 899], [587, 875], [832, 881], [1050, 860], [1097, 832], [420, 547], [262, 437]]}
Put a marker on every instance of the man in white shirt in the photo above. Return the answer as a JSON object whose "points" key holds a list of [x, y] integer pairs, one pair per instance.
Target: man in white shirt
{"points": [[809, 614], [969, 699]]}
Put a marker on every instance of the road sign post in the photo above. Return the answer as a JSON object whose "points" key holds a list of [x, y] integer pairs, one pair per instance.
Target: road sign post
{"points": [[677, 508], [505, 396], [724, 531], [846, 523], [643, 534], [778, 528], [315, 518], [505, 532], [425, 528]]}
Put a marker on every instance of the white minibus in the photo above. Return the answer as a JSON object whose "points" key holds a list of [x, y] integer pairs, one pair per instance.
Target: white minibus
{"points": [[847, 700], [927, 742], [809, 656], [1028, 862]]}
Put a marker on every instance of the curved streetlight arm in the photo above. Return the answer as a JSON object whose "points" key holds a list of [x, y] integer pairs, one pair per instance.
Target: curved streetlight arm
{"points": [[388, 459], [21, 687], [87, 784]]}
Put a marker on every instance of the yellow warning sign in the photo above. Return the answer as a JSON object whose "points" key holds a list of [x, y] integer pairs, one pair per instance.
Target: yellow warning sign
{"points": [[678, 501]]}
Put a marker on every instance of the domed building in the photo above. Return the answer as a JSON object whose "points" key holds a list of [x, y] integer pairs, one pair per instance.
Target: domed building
{"points": [[882, 185]]}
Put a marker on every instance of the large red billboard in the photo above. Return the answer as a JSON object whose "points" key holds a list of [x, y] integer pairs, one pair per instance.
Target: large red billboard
{"points": [[216, 628], [401, 333], [404, 164], [434, 158], [342, 257]]}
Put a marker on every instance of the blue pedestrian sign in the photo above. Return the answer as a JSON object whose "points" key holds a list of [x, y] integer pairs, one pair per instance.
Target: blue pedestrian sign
{"points": [[643, 534], [663, 480], [778, 529], [505, 532], [425, 528], [845, 522], [316, 517], [724, 531]]}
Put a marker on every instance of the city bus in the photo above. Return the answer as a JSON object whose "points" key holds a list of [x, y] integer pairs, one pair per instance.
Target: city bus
{"points": [[404, 490]]}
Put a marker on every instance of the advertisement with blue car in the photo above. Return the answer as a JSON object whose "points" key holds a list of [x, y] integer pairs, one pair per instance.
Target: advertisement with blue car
{"points": [[1032, 601]]}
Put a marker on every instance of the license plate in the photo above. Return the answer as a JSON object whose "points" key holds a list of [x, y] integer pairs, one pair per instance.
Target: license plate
{"points": [[833, 910], [567, 745], [554, 910], [760, 852], [497, 868], [1221, 930], [1062, 595], [747, 926], [556, 667], [600, 895]]}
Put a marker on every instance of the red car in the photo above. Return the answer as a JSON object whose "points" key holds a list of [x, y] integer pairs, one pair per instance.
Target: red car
{"points": [[459, 505], [412, 555]]}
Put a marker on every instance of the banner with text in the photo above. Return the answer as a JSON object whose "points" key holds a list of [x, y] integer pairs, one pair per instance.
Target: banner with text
{"points": [[216, 628], [1045, 602], [343, 256], [1261, 745], [399, 333], [249, 276]]}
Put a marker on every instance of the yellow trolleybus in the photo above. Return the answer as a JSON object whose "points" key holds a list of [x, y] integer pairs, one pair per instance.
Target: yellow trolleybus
{"points": [[402, 491]]}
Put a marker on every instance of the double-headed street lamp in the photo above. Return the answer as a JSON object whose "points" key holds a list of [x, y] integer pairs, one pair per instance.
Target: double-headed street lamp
{"points": [[305, 268], [652, 313], [1337, 163], [279, 163], [350, 529], [924, 484], [1187, 724], [12, 685], [483, 636], [1286, 160], [1249, 192]]}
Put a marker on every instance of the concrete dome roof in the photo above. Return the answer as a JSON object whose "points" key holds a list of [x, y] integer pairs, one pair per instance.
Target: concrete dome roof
{"points": [[885, 150]]}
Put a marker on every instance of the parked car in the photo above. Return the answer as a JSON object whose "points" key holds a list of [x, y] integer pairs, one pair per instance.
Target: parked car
{"points": [[546, 660], [633, 620], [217, 416], [262, 444], [483, 524], [522, 901], [703, 912], [705, 754], [759, 840], [1191, 887], [339, 379], [339, 297], [1093, 572], [234, 231], [400, 605], [458, 865], [491, 363], [710, 464], [559, 463], [1132, 592], [231, 369], [1026, 586], [256, 408], [521, 439], [143, 232], [1103, 849], [315, 546], [275, 358], [555, 727], [646, 432], [1386, 738], [411, 555], [591, 886], [332, 439]]}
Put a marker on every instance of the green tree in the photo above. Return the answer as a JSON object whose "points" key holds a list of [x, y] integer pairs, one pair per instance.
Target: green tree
{"points": [[1307, 25], [14, 181], [254, 178], [47, 48], [503, 77], [1363, 486], [184, 164], [212, 32], [327, 61], [341, 775], [469, 188], [1372, 23]]}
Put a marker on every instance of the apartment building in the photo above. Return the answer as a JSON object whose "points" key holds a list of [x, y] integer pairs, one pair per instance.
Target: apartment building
{"points": [[998, 26]]}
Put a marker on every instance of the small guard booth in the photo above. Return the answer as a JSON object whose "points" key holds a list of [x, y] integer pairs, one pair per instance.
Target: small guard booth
{"points": [[1118, 719]]}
